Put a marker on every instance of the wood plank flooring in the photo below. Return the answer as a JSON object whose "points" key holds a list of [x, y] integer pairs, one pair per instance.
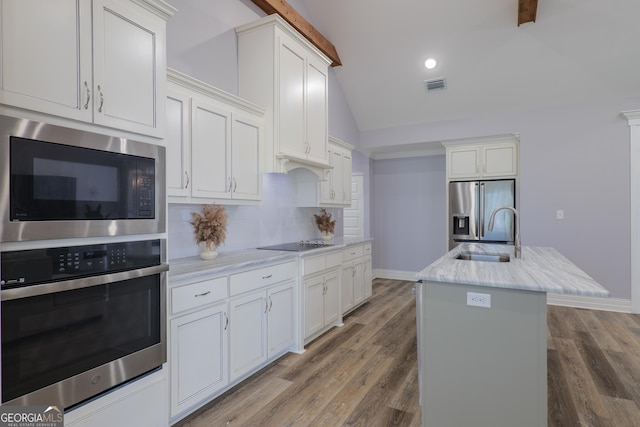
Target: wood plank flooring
{"points": [[365, 372]]}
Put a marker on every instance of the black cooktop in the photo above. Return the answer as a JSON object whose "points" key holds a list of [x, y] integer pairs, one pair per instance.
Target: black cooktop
{"points": [[301, 246]]}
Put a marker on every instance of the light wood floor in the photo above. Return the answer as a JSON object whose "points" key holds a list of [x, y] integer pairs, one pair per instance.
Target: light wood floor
{"points": [[365, 372]]}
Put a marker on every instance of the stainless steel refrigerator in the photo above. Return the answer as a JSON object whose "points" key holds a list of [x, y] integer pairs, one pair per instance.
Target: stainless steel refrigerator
{"points": [[470, 206]]}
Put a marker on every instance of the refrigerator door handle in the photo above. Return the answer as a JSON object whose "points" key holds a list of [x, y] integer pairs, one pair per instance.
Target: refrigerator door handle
{"points": [[481, 211]]}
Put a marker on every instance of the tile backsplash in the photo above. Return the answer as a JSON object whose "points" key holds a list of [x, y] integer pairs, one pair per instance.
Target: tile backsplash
{"points": [[276, 220]]}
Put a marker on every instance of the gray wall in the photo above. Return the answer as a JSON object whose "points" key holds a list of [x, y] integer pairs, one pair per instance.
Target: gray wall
{"points": [[409, 210]]}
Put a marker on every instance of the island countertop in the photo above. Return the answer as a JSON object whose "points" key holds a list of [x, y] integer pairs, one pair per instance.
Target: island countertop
{"points": [[541, 269]]}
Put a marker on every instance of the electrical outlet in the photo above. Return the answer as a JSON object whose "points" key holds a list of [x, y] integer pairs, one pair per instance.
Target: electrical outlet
{"points": [[559, 214], [479, 300]]}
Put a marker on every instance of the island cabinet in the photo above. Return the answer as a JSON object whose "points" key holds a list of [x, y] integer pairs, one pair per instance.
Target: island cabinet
{"points": [[214, 144], [100, 62], [485, 160], [281, 71], [356, 279], [199, 337], [321, 287], [262, 317]]}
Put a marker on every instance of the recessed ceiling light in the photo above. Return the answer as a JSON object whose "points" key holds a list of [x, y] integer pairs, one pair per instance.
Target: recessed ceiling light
{"points": [[430, 63]]}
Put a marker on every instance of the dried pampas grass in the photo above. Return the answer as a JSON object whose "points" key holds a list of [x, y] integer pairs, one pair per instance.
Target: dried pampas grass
{"points": [[324, 221], [211, 226]]}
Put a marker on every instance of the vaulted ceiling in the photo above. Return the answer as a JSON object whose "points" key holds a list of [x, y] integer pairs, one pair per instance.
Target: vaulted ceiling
{"points": [[577, 51]]}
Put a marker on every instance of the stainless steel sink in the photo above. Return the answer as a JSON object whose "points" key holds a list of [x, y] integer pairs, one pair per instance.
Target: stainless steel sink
{"points": [[473, 256]]}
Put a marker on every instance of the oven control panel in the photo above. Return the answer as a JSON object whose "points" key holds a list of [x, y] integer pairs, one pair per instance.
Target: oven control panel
{"points": [[28, 267]]}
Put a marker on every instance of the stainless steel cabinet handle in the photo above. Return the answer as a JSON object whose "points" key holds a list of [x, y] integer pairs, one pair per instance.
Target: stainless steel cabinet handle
{"points": [[186, 174], [270, 303], [230, 183], [226, 321], [101, 99], [202, 294], [266, 305], [86, 86], [267, 276], [235, 185]]}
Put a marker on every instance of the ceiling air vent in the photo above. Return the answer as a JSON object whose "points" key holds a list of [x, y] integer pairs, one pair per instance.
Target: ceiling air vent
{"points": [[435, 84]]}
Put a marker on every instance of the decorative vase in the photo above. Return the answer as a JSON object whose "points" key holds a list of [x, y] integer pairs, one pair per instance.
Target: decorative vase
{"points": [[326, 236], [208, 251]]}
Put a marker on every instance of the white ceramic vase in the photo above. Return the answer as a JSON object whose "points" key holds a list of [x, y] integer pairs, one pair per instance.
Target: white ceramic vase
{"points": [[326, 236], [208, 251]]}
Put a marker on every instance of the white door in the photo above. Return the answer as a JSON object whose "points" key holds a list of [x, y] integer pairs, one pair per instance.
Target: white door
{"points": [[281, 318], [246, 135], [248, 333], [354, 214]]}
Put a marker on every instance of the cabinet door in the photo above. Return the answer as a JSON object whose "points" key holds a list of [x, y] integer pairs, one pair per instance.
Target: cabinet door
{"points": [[358, 282], [316, 120], [313, 305], [291, 122], [326, 185], [332, 297], [128, 66], [46, 56], [178, 144], [463, 162], [246, 170], [281, 319], [210, 166], [345, 186], [346, 287], [500, 160], [198, 352], [367, 275], [248, 333]]}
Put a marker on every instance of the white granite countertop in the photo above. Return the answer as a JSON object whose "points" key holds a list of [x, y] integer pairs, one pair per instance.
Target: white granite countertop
{"points": [[540, 269], [185, 270]]}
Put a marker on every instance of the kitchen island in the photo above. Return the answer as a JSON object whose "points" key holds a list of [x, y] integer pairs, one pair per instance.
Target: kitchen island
{"points": [[482, 333]]}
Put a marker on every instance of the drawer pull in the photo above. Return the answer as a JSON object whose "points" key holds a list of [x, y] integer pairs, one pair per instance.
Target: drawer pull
{"points": [[202, 294], [268, 276], [353, 253]]}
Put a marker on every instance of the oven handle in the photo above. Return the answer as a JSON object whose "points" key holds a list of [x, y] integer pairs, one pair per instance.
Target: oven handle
{"points": [[84, 282]]}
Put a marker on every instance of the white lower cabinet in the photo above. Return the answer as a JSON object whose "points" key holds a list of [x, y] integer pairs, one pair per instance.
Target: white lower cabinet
{"points": [[321, 302], [356, 278], [321, 287], [198, 343], [198, 356], [262, 326]]}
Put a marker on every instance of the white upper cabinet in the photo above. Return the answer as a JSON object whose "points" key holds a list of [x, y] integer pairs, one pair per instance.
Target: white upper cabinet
{"points": [[214, 144], [281, 71], [482, 160], [100, 62], [335, 189]]}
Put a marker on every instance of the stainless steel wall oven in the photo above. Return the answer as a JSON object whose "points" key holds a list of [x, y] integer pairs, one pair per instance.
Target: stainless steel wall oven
{"points": [[80, 320], [58, 183]]}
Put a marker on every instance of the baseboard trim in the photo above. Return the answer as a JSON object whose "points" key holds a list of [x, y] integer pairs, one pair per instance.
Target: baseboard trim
{"points": [[592, 303], [395, 274]]}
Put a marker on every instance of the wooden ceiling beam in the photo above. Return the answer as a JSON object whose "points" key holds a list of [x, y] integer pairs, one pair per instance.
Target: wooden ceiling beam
{"points": [[527, 10], [289, 14]]}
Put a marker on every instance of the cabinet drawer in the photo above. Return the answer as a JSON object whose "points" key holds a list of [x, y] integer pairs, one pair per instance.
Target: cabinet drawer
{"points": [[367, 249], [334, 259], [313, 264], [198, 294], [260, 277], [352, 252]]}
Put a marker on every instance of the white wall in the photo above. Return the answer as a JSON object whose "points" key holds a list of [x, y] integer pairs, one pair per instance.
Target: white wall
{"points": [[574, 158]]}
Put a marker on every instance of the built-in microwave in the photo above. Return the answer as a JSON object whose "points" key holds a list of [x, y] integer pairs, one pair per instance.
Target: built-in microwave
{"points": [[57, 182]]}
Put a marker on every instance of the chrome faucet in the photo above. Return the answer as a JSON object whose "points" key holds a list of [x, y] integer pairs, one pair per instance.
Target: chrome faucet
{"points": [[518, 249]]}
